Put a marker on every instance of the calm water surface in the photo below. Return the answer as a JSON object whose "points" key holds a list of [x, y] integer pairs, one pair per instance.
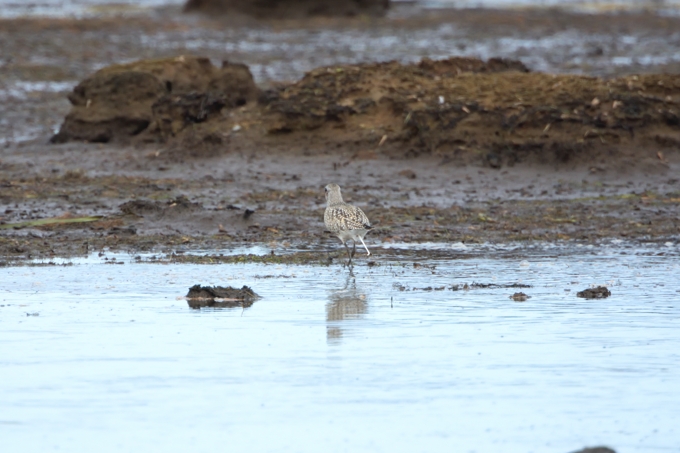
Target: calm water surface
{"points": [[110, 357]]}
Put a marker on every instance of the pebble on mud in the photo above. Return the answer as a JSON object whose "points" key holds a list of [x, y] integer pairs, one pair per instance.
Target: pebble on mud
{"points": [[594, 293], [408, 173], [220, 296]]}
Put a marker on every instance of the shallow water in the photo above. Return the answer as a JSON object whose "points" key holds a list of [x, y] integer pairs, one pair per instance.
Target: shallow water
{"points": [[111, 357]]}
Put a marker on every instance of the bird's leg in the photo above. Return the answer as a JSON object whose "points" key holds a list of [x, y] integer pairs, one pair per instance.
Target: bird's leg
{"points": [[362, 242], [348, 254], [354, 248]]}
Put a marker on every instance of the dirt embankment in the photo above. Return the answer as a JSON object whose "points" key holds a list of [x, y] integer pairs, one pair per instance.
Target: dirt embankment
{"points": [[153, 99], [496, 113], [289, 8]]}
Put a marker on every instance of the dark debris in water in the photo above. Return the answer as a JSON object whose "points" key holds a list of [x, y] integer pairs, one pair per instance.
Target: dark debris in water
{"points": [[465, 286], [37, 264], [272, 276], [220, 296], [489, 286], [430, 288], [519, 297], [596, 450], [594, 293]]}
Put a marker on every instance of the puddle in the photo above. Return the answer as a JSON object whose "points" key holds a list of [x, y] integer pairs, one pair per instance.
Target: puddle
{"points": [[325, 361]]}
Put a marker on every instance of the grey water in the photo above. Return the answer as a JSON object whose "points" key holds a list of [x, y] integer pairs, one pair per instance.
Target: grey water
{"points": [[394, 357]]}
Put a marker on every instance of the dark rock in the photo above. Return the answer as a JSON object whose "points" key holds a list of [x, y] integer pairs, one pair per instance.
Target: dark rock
{"points": [[290, 8], [595, 450], [110, 105], [219, 296], [493, 160], [519, 297], [153, 99], [594, 293]]}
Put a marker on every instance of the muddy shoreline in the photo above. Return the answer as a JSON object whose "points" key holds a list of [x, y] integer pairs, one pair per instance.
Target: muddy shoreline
{"points": [[166, 199], [152, 204]]}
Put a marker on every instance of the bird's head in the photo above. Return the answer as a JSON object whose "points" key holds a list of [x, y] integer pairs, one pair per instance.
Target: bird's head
{"points": [[332, 193]]}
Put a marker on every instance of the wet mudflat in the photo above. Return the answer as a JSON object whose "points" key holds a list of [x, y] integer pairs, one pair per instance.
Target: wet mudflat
{"points": [[166, 198], [408, 353]]}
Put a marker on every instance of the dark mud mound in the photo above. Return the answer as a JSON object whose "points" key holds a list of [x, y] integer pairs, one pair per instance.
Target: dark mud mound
{"points": [[596, 450], [382, 91], [219, 296], [155, 98], [290, 8], [493, 112], [594, 293]]}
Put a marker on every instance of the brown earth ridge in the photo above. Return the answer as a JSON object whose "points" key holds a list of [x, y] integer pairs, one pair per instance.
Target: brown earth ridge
{"points": [[289, 8], [496, 113]]}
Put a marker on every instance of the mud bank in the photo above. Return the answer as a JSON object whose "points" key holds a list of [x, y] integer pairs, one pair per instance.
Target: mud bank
{"points": [[494, 113], [153, 97], [289, 8]]}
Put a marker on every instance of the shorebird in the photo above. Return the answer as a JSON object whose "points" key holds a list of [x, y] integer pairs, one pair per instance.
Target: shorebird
{"points": [[345, 221]]}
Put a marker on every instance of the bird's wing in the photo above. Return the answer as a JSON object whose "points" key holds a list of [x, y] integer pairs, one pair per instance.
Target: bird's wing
{"points": [[365, 223], [350, 218]]}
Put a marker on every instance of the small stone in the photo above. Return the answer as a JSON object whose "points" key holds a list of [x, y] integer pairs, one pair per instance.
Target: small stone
{"points": [[599, 292], [410, 174]]}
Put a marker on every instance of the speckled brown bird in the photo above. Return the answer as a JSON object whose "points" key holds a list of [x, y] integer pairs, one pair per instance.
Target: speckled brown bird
{"points": [[347, 222]]}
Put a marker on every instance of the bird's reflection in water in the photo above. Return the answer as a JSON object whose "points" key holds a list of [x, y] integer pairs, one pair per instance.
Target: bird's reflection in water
{"points": [[343, 304]]}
